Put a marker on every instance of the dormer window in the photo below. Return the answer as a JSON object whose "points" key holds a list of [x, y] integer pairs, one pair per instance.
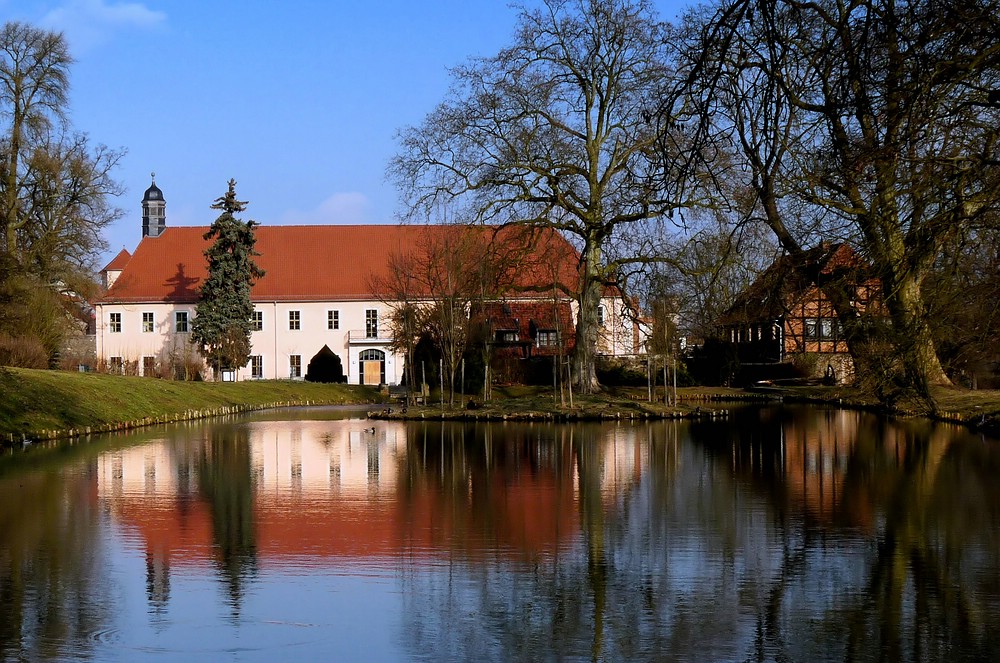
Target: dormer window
{"points": [[547, 339]]}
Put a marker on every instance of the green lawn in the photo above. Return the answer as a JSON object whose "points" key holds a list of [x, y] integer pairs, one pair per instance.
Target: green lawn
{"points": [[32, 401]]}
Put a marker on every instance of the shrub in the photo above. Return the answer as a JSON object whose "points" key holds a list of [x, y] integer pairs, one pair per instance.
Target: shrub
{"points": [[22, 352], [620, 374]]}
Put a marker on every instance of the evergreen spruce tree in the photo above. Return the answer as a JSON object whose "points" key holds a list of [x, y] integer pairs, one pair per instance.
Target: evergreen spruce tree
{"points": [[221, 327]]}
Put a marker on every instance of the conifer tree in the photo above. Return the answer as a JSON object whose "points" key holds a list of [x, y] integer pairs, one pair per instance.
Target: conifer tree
{"points": [[222, 325]]}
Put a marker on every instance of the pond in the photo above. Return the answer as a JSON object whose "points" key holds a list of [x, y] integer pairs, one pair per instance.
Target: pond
{"points": [[776, 533]]}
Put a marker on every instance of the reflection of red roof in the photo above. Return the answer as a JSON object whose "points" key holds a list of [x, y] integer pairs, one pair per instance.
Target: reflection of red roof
{"points": [[320, 263], [324, 529], [531, 515], [178, 533], [119, 261]]}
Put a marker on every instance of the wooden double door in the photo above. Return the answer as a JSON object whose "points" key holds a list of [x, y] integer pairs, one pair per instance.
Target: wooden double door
{"points": [[372, 367]]}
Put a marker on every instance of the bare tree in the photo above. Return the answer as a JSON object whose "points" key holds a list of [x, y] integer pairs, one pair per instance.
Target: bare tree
{"points": [[55, 190], [34, 81], [67, 189], [874, 121], [557, 131], [963, 303], [401, 292], [433, 286], [713, 262]]}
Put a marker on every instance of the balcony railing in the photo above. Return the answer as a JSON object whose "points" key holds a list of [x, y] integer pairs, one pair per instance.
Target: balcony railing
{"points": [[361, 337]]}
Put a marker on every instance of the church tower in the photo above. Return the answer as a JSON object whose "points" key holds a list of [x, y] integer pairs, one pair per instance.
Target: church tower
{"points": [[154, 214]]}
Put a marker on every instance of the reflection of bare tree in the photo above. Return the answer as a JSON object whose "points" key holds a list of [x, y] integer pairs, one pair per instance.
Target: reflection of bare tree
{"points": [[894, 585], [913, 601], [226, 483], [54, 599], [600, 593], [589, 470], [777, 535]]}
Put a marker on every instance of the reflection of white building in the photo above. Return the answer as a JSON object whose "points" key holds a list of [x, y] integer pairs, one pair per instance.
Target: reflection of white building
{"points": [[323, 286], [287, 458], [290, 459], [301, 457]]}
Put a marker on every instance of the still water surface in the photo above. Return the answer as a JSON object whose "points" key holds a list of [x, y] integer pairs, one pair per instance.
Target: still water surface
{"points": [[789, 534]]}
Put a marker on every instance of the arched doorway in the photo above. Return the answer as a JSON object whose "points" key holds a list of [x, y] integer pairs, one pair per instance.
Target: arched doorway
{"points": [[372, 367]]}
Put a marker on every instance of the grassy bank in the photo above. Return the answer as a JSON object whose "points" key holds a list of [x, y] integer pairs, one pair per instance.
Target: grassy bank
{"points": [[51, 403], [538, 403], [979, 410]]}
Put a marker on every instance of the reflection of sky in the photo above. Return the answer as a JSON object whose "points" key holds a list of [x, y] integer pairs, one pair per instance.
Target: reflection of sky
{"points": [[313, 614]]}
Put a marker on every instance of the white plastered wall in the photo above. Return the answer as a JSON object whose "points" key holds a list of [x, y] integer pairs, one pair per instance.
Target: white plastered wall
{"points": [[276, 343]]}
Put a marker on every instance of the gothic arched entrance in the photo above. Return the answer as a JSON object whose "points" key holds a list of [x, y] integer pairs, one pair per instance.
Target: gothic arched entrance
{"points": [[372, 367]]}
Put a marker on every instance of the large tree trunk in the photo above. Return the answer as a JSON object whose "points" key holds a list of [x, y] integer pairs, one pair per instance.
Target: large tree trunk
{"points": [[911, 334], [585, 353]]}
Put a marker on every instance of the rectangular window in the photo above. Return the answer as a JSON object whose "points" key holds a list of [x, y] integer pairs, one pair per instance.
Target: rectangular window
{"points": [[826, 329], [257, 322], [822, 329], [546, 339], [149, 366], [371, 323], [181, 322], [147, 322], [333, 319], [257, 366], [811, 329], [116, 365], [295, 320], [600, 316], [115, 323], [506, 336], [295, 366]]}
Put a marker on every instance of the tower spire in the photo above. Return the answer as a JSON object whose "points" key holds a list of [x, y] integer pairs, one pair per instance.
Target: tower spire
{"points": [[154, 212]]}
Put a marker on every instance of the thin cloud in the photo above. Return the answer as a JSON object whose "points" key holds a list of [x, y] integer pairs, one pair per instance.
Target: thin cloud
{"points": [[339, 209], [88, 23]]}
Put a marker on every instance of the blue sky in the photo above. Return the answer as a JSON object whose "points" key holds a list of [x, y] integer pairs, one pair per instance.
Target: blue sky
{"points": [[299, 101]]}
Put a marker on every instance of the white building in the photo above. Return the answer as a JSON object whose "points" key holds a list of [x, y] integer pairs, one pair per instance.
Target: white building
{"points": [[319, 289]]}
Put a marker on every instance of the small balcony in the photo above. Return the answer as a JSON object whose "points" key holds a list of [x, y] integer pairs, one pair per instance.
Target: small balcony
{"points": [[361, 337]]}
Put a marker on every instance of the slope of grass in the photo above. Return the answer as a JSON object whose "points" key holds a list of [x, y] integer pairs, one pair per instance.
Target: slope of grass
{"points": [[32, 401]]}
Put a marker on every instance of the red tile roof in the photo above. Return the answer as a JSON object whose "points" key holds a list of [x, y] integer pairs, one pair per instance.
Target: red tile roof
{"points": [[325, 263], [119, 261]]}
